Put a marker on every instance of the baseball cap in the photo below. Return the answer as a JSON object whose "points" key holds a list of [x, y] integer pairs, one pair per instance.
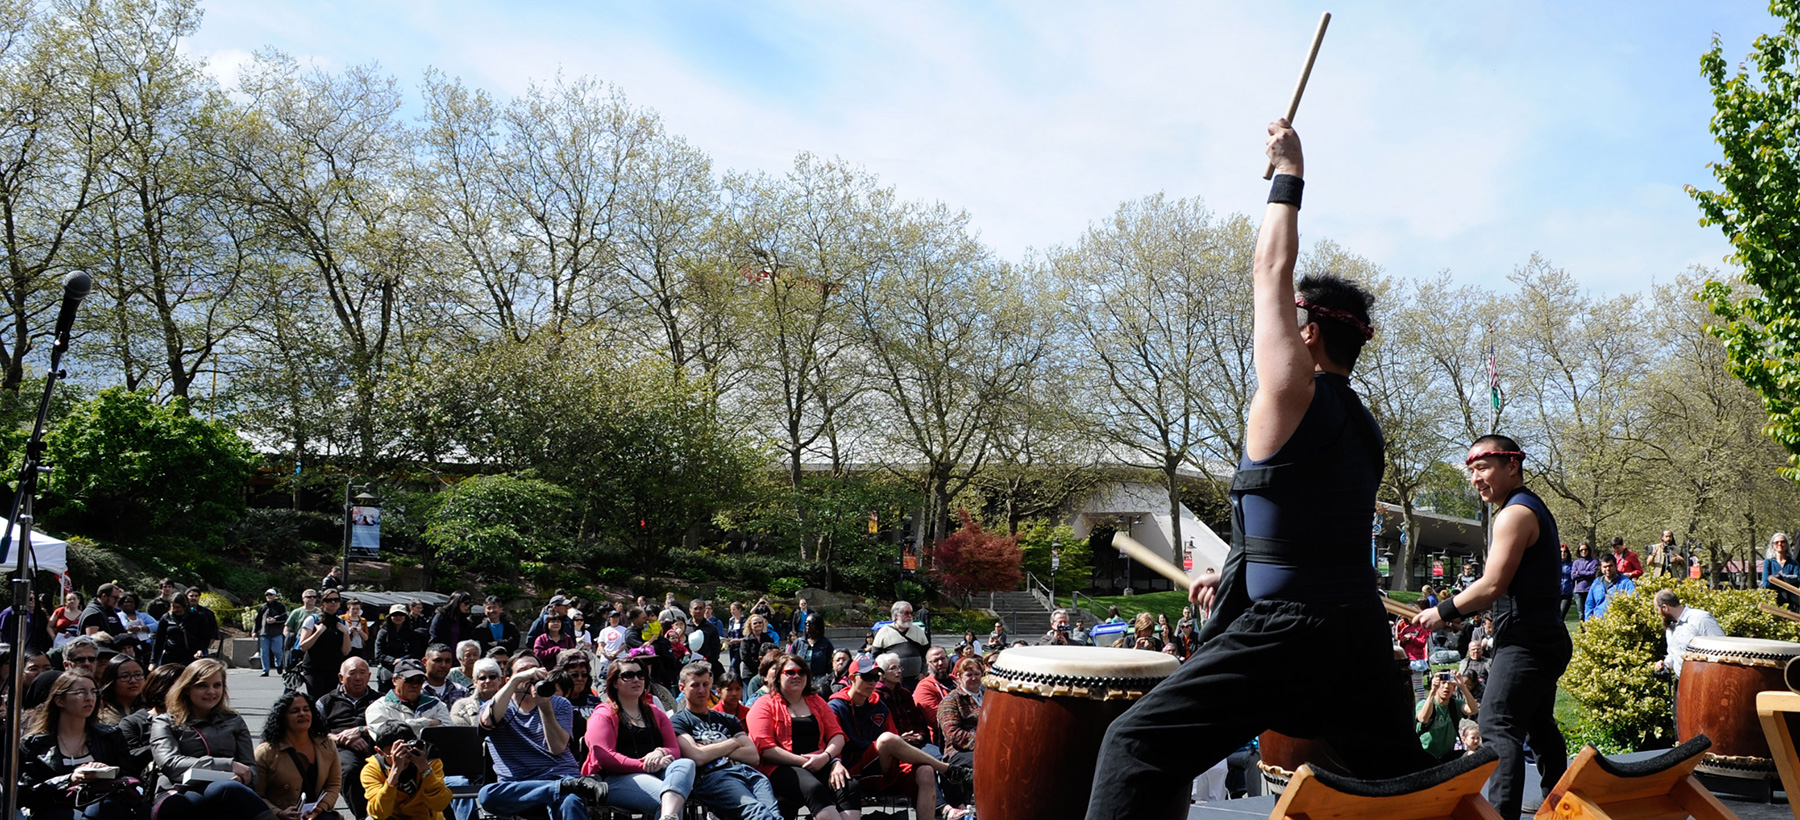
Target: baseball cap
{"points": [[408, 668], [559, 600], [397, 609], [270, 591], [865, 668]]}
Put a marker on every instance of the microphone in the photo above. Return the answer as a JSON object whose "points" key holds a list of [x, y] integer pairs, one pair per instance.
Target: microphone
{"points": [[75, 288]]}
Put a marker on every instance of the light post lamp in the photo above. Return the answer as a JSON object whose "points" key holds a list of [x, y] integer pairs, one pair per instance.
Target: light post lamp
{"points": [[1055, 565]]}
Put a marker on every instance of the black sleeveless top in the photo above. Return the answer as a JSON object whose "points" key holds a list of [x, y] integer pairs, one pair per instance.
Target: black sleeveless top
{"points": [[1528, 613], [1303, 515]]}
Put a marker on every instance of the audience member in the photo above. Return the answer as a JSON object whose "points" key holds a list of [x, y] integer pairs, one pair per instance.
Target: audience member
{"points": [[271, 621], [200, 731], [875, 752], [393, 642], [121, 682], [344, 714], [906, 640], [1611, 583], [1582, 572], [1437, 715], [800, 742], [401, 782], [297, 766], [528, 743], [960, 712], [177, 639], [203, 622], [730, 697], [440, 660], [309, 605], [724, 756], [488, 679], [1630, 565], [63, 747], [324, 642], [165, 593], [632, 744], [553, 641], [66, 620], [495, 629], [913, 724], [407, 702], [137, 624], [155, 698], [463, 673], [937, 683], [102, 614], [452, 625]]}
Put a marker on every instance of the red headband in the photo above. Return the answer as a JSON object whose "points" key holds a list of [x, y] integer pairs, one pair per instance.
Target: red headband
{"points": [[1485, 453], [1341, 315]]}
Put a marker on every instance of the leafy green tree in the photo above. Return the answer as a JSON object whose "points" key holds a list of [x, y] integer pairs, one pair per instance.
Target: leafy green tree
{"points": [[1757, 207], [493, 523], [132, 471], [1077, 567]]}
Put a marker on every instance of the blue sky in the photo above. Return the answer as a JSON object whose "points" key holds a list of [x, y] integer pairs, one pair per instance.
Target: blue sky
{"points": [[1439, 136]]}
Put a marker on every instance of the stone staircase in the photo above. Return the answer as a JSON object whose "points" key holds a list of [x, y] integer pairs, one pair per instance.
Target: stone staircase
{"points": [[1025, 616]]}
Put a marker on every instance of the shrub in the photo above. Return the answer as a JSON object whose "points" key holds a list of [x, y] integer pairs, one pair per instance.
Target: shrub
{"points": [[494, 524], [973, 560], [786, 587], [911, 591], [1621, 706]]}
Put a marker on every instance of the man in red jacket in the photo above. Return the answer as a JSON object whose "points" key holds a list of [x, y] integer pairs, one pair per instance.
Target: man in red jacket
{"points": [[1630, 565]]}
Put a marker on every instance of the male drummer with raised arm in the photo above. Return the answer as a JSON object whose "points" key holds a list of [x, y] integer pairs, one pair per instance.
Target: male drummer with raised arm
{"points": [[1523, 583], [1298, 591]]}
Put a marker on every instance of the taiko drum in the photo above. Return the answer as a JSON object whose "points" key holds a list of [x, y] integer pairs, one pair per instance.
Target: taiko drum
{"points": [[1720, 677], [1042, 720]]}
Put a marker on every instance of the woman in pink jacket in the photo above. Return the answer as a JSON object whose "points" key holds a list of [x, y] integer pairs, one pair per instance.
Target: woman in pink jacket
{"points": [[632, 745]]}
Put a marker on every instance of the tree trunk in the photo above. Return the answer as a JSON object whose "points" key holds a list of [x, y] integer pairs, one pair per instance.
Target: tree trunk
{"points": [[1171, 473]]}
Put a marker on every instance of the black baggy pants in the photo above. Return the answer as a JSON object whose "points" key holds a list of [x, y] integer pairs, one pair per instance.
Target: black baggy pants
{"points": [[1263, 672], [1519, 707]]}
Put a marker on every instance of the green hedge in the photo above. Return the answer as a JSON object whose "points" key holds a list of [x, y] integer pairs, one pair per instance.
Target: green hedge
{"points": [[1620, 705]]}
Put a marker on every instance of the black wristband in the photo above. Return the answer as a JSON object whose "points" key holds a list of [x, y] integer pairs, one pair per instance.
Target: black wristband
{"points": [[1446, 609], [1286, 189]]}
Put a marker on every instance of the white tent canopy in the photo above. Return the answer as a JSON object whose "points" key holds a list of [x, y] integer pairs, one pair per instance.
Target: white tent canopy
{"points": [[52, 553]]}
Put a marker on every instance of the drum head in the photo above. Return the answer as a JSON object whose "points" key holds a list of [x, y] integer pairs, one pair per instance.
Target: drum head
{"points": [[1083, 663], [1743, 647]]}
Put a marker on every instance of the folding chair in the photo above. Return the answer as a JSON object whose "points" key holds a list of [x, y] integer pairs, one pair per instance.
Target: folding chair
{"points": [[1661, 788]]}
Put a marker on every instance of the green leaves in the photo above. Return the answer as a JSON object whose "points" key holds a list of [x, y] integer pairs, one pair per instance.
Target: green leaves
{"points": [[1757, 208]]}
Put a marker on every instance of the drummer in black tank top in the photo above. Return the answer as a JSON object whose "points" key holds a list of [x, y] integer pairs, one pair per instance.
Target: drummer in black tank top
{"points": [[1297, 592], [1523, 583]]}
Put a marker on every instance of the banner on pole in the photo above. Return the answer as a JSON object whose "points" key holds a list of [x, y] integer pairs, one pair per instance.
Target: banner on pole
{"points": [[365, 532]]}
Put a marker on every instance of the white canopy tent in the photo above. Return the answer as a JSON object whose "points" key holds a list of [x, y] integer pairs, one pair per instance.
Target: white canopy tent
{"points": [[52, 553]]}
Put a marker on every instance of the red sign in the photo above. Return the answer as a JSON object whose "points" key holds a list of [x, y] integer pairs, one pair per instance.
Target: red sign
{"points": [[1437, 568], [1187, 561]]}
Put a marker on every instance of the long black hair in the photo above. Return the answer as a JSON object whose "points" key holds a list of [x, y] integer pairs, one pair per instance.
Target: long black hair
{"points": [[275, 727]]}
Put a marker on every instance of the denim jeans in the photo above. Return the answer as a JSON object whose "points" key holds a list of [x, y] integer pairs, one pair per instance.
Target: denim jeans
{"points": [[737, 792], [274, 652], [520, 796], [220, 798], [643, 792]]}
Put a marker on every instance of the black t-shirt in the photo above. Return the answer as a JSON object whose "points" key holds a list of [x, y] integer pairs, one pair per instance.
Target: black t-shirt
{"points": [[806, 734], [706, 729], [101, 616], [637, 741]]}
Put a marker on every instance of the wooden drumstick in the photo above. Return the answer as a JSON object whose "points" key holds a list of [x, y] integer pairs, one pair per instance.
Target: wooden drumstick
{"points": [[1149, 558], [1394, 607], [1305, 72], [1778, 612], [1783, 585]]}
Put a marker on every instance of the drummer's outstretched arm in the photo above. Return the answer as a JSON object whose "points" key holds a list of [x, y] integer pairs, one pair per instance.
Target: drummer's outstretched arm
{"points": [[1515, 528], [1284, 367]]}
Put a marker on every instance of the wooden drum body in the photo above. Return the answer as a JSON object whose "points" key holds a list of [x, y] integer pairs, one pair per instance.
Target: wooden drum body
{"points": [[1045, 713], [1717, 697], [1282, 755]]}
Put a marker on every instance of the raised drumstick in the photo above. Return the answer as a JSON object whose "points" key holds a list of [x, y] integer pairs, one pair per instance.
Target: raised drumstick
{"points": [[1776, 582], [1305, 72]]}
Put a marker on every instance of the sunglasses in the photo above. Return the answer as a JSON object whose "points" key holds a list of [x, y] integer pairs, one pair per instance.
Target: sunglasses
{"points": [[84, 659], [871, 677], [333, 600], [634, 675], [793, 673]]}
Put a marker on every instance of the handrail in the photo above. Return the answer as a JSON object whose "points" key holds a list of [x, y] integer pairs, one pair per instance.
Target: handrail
{"points": [[1039, 591]]}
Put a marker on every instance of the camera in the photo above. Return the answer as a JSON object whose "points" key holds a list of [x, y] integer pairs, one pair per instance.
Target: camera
{"points": [[545, 688]]}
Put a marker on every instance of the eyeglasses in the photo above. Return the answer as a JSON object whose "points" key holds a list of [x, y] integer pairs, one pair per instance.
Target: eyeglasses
{"points": [[634, 675], [793, 673], [309, 597], [132, 676], [83, 658], [487, 677]]}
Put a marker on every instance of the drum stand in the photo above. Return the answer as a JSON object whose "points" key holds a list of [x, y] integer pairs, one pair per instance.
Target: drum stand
{"points": [[1448, 792], [1661, 788]]}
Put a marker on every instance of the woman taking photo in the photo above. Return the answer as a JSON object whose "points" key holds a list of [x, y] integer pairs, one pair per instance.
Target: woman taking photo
{"points": [[200, 731], [632, 745], [296, 764], [325, 640], [65, 748], [551, 643], [800, 740], [121, 682]]}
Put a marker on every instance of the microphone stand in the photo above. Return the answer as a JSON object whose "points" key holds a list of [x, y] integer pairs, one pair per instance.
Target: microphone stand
{"points": [[20, 522]]}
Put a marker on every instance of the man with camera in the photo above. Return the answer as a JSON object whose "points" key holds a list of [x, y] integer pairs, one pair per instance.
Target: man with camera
{"points": [[1439, 714], [1059, 629], [528, 727], [401, 781]]}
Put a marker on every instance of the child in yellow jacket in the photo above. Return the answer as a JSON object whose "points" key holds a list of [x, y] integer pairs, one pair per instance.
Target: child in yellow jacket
{"points": [[399, 782]]}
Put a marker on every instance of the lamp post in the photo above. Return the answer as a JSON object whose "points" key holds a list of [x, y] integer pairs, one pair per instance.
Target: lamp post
{"points": [[1055, 565]]}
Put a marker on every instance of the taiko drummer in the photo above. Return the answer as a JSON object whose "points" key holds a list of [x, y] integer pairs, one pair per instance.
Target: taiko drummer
{"points": [[1298, 591]]}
